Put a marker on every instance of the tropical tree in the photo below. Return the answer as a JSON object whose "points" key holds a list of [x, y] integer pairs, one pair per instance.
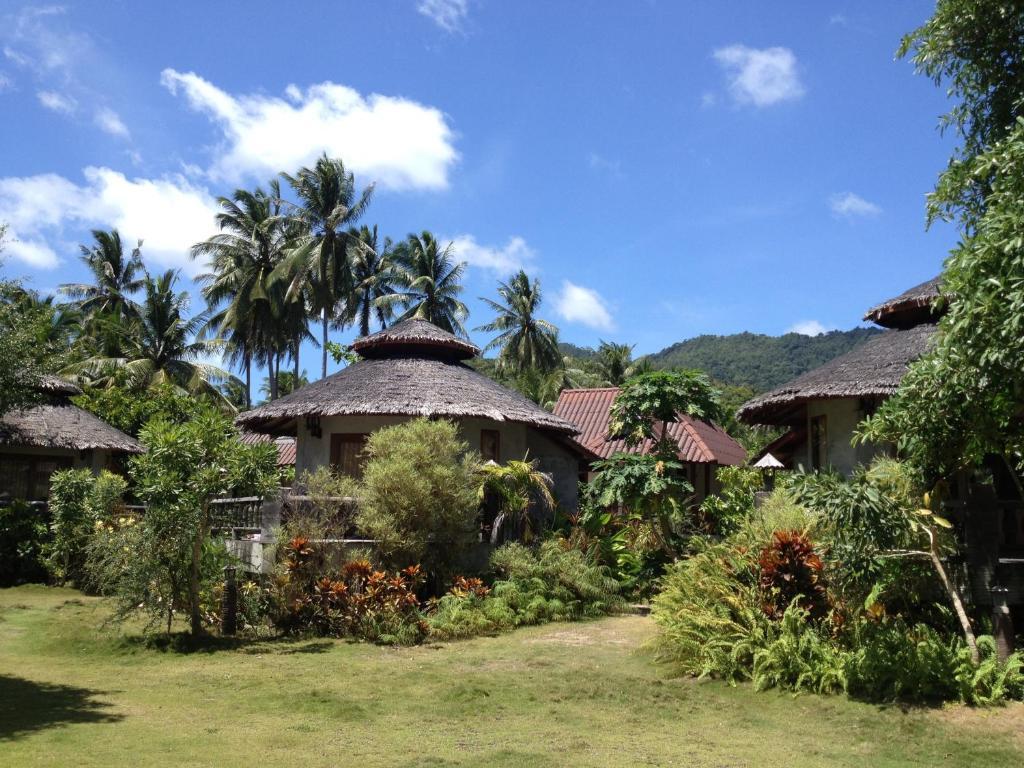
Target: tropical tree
{"points": [[106, 301], [525, 340], [372, 275], [614, 362], [160, 346], [428, 283], [286, 383], [248, 305], [319, 264], [520, 489]]}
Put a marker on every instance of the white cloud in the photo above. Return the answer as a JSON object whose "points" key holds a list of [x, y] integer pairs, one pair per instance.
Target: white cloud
{"points": [[511, 257], [395, 141], [170, 214], [838, 20], [6, 83], [760, 76], [33, 253], [57, 102], [810, 328], [578, 304], [849, 205], [447, 14], [110, 122]]}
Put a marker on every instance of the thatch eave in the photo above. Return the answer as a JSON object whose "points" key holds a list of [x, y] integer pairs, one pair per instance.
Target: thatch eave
{"points": [[63, 426], [872, 370]]}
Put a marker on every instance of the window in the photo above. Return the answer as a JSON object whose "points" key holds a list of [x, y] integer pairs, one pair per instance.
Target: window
{"points": [[347, 453], [819, 442], [490, 445], [28, 477]]}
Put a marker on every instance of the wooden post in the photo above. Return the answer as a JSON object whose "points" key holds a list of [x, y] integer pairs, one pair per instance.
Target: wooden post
{"points": [[1002, 623], [229, 603]]}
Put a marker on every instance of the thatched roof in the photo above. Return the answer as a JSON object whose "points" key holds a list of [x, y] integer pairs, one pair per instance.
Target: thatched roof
{"points": [[414, 335], [411, 369], [54, 385], [63, 425], [910, 308], [699, 441], [874, 369]]}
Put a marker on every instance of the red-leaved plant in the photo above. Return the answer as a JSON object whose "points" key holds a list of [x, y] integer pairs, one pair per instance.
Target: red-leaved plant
{"points": [[792, 570]]}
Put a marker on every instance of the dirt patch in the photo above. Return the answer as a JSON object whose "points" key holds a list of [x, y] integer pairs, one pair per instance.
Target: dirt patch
{"points": [[1007, 721], [627, 631]]}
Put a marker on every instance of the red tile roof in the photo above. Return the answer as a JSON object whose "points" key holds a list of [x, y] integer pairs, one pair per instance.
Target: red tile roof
{"points": [[699, 441], [285, 446]]}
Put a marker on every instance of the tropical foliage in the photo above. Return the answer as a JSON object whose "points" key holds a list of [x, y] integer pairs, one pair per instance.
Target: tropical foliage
{"points": [[526, 341]]}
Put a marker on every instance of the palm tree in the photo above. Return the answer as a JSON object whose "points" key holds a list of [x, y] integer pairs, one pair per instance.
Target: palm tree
{"points": [[107, 300], [160, 346], [519, 489], [524, 339], [247, 303], [428, 283], [328, 203], [372, 273], [613, 362]]}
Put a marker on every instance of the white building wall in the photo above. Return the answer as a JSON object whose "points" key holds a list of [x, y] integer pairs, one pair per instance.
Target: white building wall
{"points": [[515, 442], [842, 417]]}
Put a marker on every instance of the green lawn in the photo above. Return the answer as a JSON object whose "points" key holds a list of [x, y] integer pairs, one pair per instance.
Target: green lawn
{"points": [[579, 694]]}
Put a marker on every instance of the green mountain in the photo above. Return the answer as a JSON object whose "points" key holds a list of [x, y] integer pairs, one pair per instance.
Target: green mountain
{"points": [[758, 361]]}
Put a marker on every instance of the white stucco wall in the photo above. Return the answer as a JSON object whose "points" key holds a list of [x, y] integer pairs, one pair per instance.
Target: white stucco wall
{"points": [[842, 417], [516, 441]]}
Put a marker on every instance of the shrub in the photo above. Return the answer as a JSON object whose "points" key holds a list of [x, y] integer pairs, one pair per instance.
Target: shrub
{"points": [[791, 573], [725, 510], [24, 536], [709, 615], [418, 497], [78, 500], [797, 656], [551, 583], [329, 511], [359, 601]]}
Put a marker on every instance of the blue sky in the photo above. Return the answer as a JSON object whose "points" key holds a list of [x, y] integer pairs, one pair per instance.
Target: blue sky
{"points": [[666, 169]]}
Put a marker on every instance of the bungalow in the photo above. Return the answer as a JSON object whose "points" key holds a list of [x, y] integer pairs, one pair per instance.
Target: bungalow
{"points": [[410, 370], [35, 442], [822, 408], [703, 446]]}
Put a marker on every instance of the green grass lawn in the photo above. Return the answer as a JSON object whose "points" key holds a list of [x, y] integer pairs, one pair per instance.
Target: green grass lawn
{"points": [[565, 694]]}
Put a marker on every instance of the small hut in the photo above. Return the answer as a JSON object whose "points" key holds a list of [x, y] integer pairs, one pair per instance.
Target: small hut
{"points": [[410, 370], [702, 446], [56, 434], [822, 408]]}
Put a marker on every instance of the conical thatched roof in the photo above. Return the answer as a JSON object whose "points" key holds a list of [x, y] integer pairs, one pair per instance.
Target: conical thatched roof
{"points": [[412, 336], [874, 369], [63, 425], [412, 369], [910, 308]]}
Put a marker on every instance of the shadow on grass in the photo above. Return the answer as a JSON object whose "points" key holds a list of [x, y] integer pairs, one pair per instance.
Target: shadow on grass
{"points": [[27, 706]]}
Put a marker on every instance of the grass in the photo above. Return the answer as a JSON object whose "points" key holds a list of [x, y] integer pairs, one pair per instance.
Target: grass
{"points": [[72, 693]]}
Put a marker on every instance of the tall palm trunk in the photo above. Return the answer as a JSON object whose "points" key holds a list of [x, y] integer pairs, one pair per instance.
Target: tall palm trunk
{"points": [[248, 380], [298, 342], [323, 345], [272, 375]]}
